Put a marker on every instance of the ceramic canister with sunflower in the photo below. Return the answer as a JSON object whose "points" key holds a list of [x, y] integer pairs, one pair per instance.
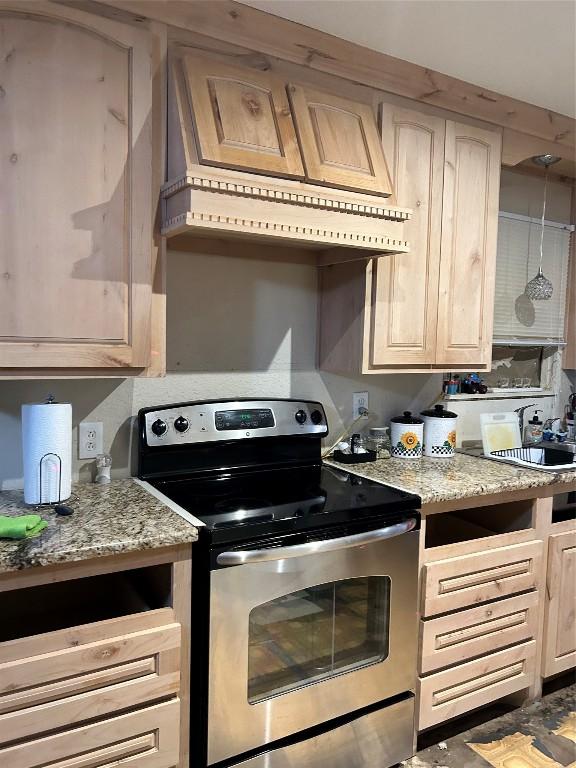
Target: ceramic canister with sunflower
{"points": [[406, 436], [439, 432]]}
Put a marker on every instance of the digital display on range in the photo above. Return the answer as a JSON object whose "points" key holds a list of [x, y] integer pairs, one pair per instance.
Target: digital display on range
{"points": [[252, 418]]}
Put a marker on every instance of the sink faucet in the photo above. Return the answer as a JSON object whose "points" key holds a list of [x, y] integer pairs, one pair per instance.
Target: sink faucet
{"points": [[520, 412]]}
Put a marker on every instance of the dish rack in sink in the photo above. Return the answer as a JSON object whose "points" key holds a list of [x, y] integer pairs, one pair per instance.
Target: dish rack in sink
{"points": [[547, 459]]}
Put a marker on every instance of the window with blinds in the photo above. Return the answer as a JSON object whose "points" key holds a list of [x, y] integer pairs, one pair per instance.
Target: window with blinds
{"points": [[515, 315]]}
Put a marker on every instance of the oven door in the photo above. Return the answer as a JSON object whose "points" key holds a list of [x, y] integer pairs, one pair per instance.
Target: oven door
{"points": [[303, 634]]}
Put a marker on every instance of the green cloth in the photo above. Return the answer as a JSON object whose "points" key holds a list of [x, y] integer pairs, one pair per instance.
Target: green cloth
{"points": [[22, 527]]}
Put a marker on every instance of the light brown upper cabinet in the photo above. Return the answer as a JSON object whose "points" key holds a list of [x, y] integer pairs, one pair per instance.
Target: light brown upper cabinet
{"points": [[339, 141], [431, 308], [405, 287], [242, 118], [469, 235], [75, 191]]}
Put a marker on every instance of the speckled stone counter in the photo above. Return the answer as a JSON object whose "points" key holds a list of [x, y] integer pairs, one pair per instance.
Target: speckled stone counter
{"points": [[108, 520], [438, 480]]}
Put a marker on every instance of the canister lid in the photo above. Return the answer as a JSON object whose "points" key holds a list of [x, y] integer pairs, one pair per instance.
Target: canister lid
{"points": [[439, 412], [407, 418]]}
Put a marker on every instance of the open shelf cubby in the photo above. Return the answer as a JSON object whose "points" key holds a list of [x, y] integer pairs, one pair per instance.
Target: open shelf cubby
{"points": [[55, 606], [477, 523]]}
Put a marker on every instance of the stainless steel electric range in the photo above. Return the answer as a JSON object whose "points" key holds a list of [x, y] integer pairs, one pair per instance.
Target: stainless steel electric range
{"points": [[304, 626]]}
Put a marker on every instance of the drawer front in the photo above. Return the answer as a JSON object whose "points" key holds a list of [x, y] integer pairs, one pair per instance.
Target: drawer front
{"points": [[69, 685], [147, 738], [462, 582], [461, 636], [474, 684]]}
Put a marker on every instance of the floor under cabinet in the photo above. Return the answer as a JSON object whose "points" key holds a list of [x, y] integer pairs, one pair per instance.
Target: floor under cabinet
{"points": [[540, 735]]}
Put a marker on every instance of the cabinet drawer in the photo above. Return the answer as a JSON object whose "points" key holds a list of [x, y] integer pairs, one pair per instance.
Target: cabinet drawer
{"points": [[147, 738], [66, 677], [475, 684], [464, 635], [465, 581]]}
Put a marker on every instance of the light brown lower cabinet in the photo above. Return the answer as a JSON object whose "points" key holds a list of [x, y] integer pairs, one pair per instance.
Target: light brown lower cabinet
{"points": [[52, 683], [560, 620], [454, 691], [147, 738], [497, 605]]}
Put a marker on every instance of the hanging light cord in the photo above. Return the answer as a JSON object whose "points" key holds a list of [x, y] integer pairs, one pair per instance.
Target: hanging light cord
{"points": [[543, 218]]}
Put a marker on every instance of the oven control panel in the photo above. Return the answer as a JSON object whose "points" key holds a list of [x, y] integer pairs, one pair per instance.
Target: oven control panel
{"points": [[194, 422], [244, 418]]}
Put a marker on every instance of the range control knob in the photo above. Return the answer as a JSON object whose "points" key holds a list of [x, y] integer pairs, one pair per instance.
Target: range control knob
{"points": [[159, 427], [300, 417], [316, 417], [181, 424]]}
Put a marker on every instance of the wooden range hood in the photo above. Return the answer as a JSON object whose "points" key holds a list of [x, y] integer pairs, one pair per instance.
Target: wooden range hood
{"points": [[202, 199]]}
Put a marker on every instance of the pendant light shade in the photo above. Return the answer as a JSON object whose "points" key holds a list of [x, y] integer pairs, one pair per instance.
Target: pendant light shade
{"points": [[540, 288]]}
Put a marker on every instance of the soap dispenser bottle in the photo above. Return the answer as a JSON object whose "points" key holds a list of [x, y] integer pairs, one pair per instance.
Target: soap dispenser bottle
{"points": [[533, 431]]}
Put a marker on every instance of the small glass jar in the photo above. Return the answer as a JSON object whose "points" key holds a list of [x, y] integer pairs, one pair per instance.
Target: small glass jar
{"points": [[379, 441]]}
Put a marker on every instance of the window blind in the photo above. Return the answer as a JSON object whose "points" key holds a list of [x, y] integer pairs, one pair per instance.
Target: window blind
{"points": [[515, 315]]}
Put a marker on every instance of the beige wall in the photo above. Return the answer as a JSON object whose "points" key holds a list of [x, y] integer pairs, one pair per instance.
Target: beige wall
{"points": [[236, 328], [523, 194]]}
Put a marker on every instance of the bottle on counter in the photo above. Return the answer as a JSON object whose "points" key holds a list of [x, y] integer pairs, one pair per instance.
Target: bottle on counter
{"points": [[534, 430]]}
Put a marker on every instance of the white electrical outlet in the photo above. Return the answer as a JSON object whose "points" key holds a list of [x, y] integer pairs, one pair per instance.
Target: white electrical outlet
{"points": [[359, 403], [90, 439]]}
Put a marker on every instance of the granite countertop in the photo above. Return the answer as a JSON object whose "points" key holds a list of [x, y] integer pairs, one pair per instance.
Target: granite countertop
{"points": [[107, 520], [463, 476]]}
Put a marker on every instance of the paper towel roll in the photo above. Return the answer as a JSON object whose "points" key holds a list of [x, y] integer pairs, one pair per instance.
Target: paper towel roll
{"points": [[47, 452]]}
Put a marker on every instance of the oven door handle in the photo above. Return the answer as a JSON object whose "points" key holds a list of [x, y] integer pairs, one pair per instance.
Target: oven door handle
{"points": [[315, 547]]}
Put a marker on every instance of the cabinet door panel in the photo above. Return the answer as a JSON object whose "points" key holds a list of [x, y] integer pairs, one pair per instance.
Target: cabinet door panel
{"points": [[405, 288], [75, 212], [469, 232], [339, 141], [560, 623], [242, 118]]}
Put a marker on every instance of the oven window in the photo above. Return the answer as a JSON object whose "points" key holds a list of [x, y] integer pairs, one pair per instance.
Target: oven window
{"points": [[317, 633]]}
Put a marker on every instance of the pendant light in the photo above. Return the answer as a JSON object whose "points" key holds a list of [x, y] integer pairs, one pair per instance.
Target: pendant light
{"points": [[540, 288]]}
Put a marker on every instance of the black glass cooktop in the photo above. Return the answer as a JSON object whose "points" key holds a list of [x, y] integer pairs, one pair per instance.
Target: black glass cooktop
{"points": [[243, 504]]}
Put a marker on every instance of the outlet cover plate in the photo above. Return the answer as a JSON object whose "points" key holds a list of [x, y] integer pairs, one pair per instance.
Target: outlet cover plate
{"points": [[359, 401], [90, 439]]}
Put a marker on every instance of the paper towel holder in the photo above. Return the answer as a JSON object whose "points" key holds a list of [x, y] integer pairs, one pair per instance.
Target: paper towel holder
{"points": [[50, 503], [61, 509]]}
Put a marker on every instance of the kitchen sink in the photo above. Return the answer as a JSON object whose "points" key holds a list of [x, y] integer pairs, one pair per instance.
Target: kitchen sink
{"points": [[550, 457]]}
